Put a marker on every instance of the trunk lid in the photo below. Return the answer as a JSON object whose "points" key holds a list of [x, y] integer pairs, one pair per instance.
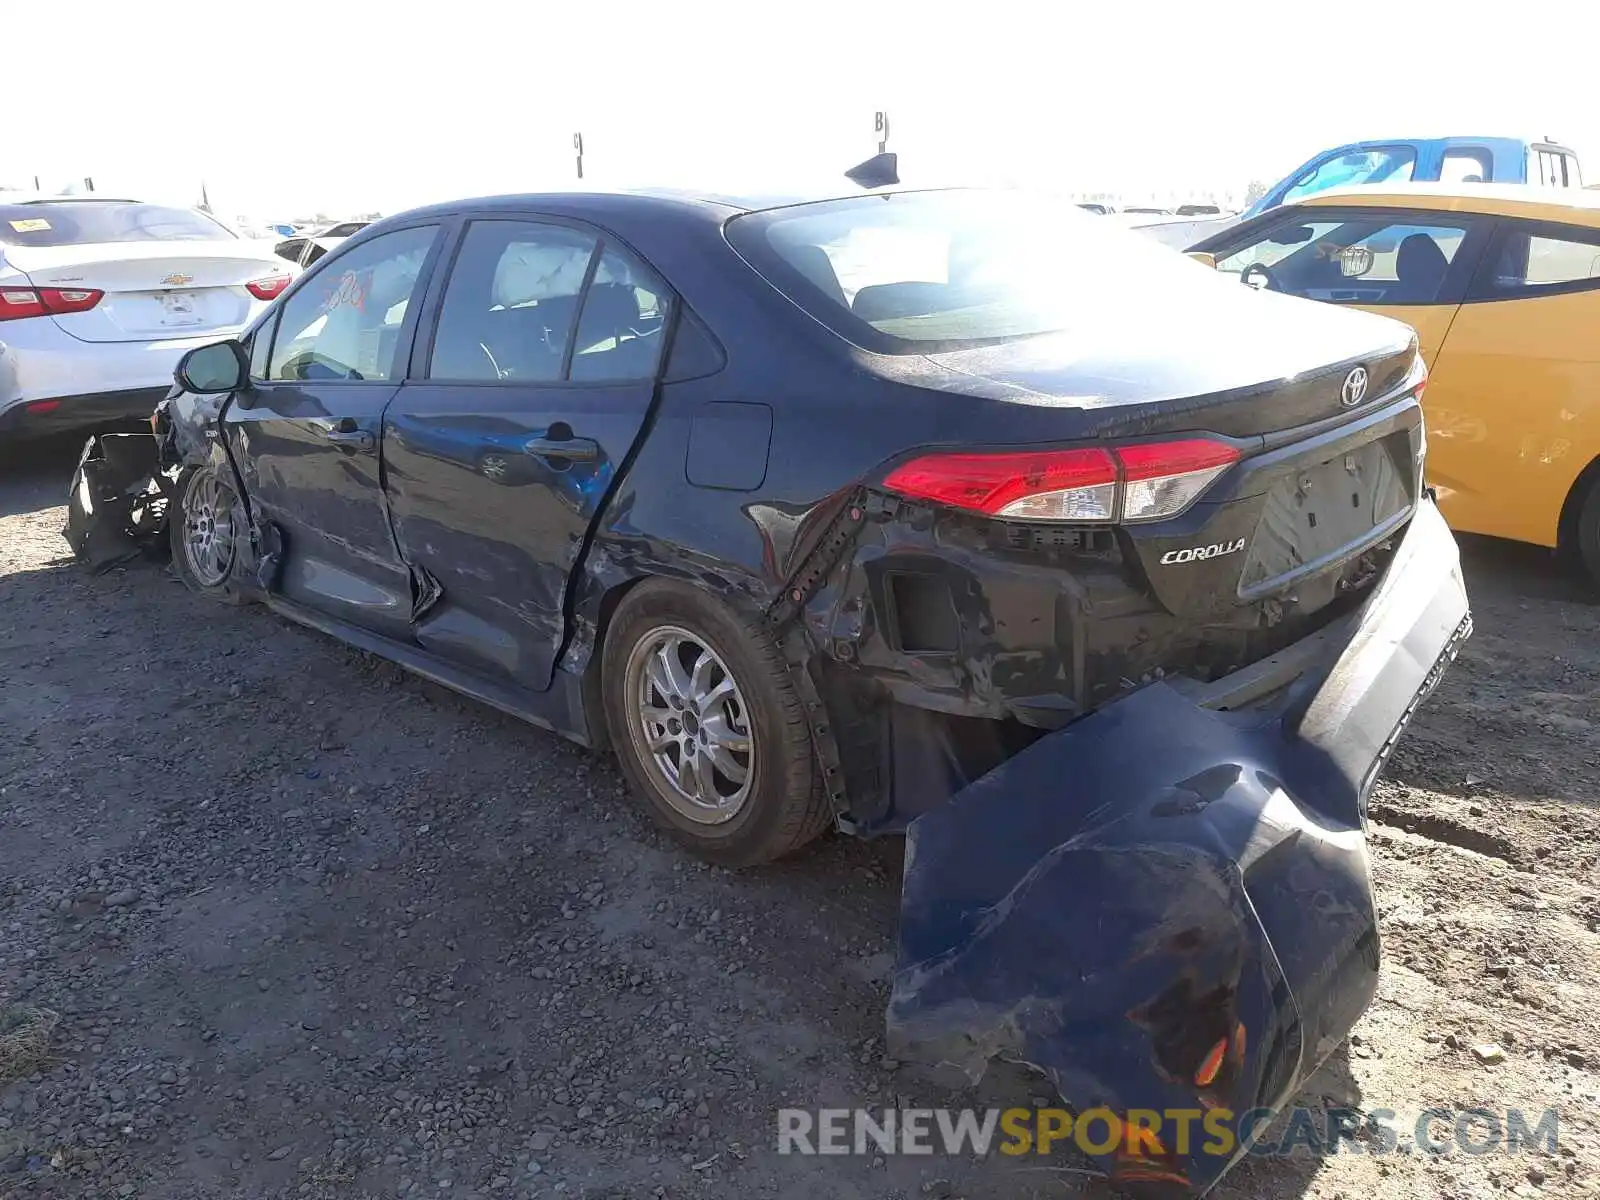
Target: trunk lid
{"points": [[1240, 363], [1315, 400], [153, 290]]}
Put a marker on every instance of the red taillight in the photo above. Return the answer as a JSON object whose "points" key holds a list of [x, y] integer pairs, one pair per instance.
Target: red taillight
{"points": [[1146, 481], [16, 303], [998, 483], [1163, 478], [269, 288], [69, 300]]}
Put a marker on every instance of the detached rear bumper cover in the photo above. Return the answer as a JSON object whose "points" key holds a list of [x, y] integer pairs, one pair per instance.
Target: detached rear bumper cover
{"points": [[1165, 877]]}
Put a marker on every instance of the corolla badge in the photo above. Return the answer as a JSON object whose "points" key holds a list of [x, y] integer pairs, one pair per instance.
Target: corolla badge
{"points": [[1199, 553], [1354, 390]]}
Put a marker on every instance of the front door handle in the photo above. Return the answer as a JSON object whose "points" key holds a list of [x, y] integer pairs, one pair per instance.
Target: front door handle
{"points": [[570, 449], [351, 439]]}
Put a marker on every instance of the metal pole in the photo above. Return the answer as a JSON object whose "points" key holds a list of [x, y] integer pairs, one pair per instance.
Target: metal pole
{"points": [[577, 144]]}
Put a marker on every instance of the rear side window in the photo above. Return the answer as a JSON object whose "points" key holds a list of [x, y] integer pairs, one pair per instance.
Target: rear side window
{"points": [[1538, 260], [623, 323], [536, 303], [511, 303], [344, 322], [82, 222], [1466, 165], [1554, 168]]}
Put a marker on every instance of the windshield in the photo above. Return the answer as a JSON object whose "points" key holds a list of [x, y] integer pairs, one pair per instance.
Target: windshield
{"points": [[1389, 164], [918, 272], [79, 222]]}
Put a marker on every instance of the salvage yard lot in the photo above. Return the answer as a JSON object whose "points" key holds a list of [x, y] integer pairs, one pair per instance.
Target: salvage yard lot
{"points": [[317, 928]]}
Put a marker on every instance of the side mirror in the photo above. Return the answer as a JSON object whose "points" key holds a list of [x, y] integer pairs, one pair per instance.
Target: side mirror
{"points": [[214, 369], [1204, 258]]}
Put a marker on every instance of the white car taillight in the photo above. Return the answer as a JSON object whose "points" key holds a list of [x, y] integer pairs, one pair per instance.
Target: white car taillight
{"points": [[1145, 481], [269, 288], [16, 303]]}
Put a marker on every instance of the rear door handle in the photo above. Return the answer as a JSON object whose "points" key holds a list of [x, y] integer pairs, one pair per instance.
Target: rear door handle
{"points": [[357, 439], [571, 449]]}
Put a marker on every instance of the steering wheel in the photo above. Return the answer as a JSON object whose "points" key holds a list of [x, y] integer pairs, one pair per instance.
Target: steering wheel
{"points": [[1257, 276]]}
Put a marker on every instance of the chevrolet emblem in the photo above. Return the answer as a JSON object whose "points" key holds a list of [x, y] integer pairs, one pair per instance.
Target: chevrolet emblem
{"points": [[177, 280]]}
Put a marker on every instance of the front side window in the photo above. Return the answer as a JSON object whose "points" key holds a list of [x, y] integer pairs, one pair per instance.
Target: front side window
{"points": [[1366, 258], [511, 303], [1529, 261], [344, 321], [1388, 164], [920, 272], [261, 347]]}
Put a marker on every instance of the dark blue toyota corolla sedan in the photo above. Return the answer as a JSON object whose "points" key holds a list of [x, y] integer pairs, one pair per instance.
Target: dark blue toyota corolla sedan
{"points": [[958, 513]]}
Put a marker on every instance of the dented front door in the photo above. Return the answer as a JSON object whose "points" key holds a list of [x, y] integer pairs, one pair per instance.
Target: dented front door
{"points": [[307, 436]]}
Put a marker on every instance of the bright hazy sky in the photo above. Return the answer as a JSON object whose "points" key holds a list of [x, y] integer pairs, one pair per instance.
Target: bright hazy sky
{"points": [[341, 105]]}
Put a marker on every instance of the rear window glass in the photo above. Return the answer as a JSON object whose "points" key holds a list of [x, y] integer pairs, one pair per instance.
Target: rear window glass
{"points": [[919, 272], [79, 222]]}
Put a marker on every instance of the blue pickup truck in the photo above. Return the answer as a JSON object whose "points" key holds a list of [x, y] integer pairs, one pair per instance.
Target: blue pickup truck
{"points": [[1446, 159]]}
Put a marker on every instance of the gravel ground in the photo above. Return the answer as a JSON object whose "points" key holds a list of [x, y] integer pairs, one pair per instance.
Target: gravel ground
{"points": [[316, 928]]}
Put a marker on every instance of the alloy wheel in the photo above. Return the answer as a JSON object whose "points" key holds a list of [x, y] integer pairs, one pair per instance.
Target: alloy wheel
{"points": [[208, 529], [690, 724]]}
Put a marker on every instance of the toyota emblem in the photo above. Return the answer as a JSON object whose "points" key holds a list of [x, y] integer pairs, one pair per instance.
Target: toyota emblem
{"points": [[1354, 390]]}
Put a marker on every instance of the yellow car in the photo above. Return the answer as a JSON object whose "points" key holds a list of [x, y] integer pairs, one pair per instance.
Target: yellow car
{"points": [[1502, 285]]}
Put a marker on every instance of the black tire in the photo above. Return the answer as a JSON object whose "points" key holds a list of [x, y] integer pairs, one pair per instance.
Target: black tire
{"points": [[192, 484], [1586, 534], [783, 806]]}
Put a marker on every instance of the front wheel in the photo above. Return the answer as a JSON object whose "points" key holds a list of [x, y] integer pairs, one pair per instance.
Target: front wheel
{"points": [[708, 727], [206, 532]]}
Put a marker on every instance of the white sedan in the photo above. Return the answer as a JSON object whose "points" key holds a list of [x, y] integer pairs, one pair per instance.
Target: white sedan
{"points": [[99, 298]]}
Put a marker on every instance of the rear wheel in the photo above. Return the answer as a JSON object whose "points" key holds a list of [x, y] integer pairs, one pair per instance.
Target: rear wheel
{"points": [[1586, 534], [205, 534], [708, 727]]}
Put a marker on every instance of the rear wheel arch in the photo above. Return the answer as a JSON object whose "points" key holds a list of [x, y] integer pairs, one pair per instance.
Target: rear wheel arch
{"points": [[1574, 539], [611, 594], [1567, 523], [786, 806]]}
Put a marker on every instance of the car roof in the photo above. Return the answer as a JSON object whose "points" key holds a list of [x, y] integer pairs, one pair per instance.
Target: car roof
{"points": [[1499, 141], [662, 201], [46, 198], [1577, 206]]}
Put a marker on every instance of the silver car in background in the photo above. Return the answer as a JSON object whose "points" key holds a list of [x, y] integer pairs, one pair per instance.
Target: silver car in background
{"points": [[100, 297]]}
